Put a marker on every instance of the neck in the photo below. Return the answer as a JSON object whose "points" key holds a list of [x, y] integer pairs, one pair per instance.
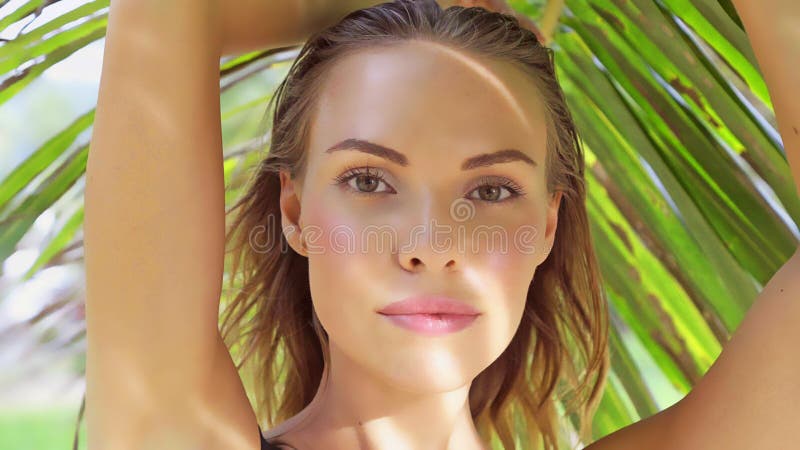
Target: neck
{"points": [[355, 409]]}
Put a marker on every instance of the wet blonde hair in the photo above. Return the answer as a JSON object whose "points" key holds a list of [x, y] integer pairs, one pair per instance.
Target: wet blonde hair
{"points": [[559, 354]]}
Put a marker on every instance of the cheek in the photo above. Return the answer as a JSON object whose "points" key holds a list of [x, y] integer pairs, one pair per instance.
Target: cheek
{"points": [[331, 256], [335, 238], [343, 282], [512, 272], [512, 252], [507, 270]]}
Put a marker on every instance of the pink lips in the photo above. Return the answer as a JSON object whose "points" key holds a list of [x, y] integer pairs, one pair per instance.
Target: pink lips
{"points": [[430, 315]]}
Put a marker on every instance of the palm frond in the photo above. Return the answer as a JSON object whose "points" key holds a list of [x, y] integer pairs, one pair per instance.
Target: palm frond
{"points": [[691, 199]]}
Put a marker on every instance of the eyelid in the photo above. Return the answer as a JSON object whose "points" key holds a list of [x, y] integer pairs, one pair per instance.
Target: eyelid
{"points": [[355, 170], [514, 189], [497, 180]]}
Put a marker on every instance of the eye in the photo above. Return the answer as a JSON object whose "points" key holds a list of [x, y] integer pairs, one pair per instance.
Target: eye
{"points": [[490, 190], [366, 180]]}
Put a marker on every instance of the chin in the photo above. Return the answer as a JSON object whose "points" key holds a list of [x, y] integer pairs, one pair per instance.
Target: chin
{"points": [[428, 376]]}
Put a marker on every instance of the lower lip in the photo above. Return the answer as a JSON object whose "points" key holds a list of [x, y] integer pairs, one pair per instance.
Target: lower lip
{"points": [[432, 324]]}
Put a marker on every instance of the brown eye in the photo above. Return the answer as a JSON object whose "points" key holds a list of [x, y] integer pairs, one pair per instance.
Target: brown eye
{"points": [[367, 180], [366, 183], [490, 190], [492, 193]]}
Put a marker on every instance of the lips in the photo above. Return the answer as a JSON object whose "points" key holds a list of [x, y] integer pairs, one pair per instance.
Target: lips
{"points": [[430, 305], [432, 324]]}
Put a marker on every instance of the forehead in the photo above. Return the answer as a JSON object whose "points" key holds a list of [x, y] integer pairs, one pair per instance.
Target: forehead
{"points": [[421, 96]]}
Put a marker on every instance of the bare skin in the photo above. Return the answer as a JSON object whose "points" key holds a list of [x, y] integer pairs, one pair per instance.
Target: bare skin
{"points": [[389, 385], [155, 227]]}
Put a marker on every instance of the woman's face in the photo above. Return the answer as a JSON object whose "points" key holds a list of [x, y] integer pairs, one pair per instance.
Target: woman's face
{"points": [[425, 218]]}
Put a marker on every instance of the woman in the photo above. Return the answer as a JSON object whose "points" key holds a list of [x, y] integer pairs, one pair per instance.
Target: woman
{"points": [[420, 163]]}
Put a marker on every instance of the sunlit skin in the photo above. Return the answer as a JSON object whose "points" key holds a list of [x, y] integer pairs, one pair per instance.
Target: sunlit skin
{"points": [[154, 241], [154, 233], [390, 387]]}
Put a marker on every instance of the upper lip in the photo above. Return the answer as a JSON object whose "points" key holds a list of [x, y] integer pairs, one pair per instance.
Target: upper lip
{"points": [[429, 304]]}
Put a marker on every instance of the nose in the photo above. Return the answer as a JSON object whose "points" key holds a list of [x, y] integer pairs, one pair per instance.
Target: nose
{"points": [[432, 244], [415, 261]]}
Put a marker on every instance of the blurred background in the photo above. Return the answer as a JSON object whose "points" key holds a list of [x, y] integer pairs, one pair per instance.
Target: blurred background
{"points": [[690, 197], [42, 341]]}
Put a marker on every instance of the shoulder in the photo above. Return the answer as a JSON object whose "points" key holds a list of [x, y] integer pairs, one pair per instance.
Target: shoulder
{"points": [[651, 433]]}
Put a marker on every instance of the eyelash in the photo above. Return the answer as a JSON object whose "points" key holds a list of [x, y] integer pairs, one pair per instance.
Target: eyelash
{"points": [[374, 172]]}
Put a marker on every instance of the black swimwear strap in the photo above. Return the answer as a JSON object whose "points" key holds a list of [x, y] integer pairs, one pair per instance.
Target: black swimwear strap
{"points": [[267, 446]]}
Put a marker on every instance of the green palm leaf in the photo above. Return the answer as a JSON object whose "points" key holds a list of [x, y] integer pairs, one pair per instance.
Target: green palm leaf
{"points": [[690, 196]]}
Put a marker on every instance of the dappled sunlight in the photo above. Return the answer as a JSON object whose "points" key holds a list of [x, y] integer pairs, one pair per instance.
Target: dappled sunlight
{"points": [[489, 73], [425, 172]]}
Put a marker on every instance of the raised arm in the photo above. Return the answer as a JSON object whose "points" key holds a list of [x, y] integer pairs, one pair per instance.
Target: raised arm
{"points": [[773, 27], [158, 373], [154, 227], [749, 397], [243, 21]]}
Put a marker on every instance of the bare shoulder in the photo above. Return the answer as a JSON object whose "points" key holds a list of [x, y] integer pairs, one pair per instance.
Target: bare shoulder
{"points": [[652, 433], [748, 398]]}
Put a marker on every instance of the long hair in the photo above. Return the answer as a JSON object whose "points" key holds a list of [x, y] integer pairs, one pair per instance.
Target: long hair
{"points": [[558, 357]]}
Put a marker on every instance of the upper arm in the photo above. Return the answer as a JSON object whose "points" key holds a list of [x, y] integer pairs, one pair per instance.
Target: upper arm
{"points": [[154, 234], [749, 397], [773, 31], [652, 433], [256, 24]]}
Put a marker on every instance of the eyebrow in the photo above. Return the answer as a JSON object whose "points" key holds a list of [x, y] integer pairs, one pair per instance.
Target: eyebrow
{"points": [[482, 160]]}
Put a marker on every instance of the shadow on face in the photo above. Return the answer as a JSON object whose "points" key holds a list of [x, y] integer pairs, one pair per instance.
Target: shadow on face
{"points": [[425, 175]]}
